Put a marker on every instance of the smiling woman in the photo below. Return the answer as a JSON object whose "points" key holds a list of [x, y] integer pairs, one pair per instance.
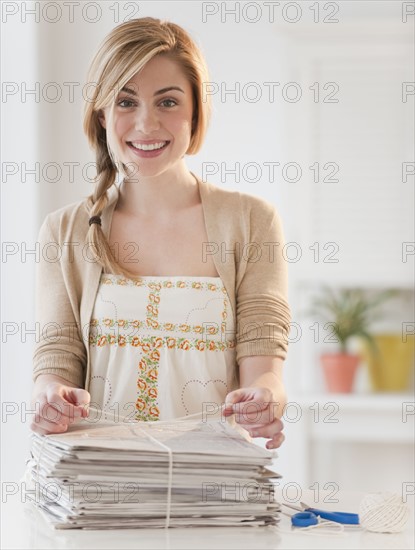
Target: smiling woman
{"points": [[148, 121], [182, 327], [150, 77]]}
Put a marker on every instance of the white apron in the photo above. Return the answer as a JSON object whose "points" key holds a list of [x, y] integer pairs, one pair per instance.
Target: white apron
{"points": [[161, 348]]}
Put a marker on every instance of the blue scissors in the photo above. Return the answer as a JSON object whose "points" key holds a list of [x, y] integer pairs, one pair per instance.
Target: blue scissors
{"points": [[309, 516]]}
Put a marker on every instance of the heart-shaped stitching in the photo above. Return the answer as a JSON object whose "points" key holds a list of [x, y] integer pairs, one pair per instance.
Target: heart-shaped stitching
{"points": [[105, 380], [203, 384]]}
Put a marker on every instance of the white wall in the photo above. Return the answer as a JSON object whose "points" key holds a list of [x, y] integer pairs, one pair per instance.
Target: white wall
{"points": [[241, 131], [19, 221]]}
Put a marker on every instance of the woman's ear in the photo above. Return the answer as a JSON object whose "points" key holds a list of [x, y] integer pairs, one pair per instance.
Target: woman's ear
{"points": [[101, 118]]}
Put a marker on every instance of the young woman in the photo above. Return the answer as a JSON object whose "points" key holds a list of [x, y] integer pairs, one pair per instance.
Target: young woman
{"points": [[169, 296]]}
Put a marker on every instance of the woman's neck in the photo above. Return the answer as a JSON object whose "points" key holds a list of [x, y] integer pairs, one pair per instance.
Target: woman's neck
{"points": [[158, 196]]}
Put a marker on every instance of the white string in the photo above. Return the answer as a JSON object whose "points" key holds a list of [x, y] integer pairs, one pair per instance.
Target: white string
{"points": [[134, 421], [324, 527], [168, 449], [44, 437], [383, 512], [153, 439], [170, 476]]}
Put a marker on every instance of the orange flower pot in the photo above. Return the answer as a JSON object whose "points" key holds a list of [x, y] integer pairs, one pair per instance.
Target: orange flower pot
{"points": [[339, 371]]}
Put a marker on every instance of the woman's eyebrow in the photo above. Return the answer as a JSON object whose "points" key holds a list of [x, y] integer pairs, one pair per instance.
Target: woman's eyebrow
{"points": [[159, 92]]}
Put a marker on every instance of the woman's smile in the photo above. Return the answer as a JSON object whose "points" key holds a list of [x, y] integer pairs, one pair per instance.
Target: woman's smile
{"points": [[148, 149]]}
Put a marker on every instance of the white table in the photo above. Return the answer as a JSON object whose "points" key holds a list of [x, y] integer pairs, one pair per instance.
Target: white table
{"points": [[24, 527]]}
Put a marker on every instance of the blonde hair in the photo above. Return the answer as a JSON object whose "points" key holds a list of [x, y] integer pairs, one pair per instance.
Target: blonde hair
{"points": [[125, 51]]}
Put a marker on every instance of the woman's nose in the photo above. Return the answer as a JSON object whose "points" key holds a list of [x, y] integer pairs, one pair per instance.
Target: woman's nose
{"points": [[146, 120]]}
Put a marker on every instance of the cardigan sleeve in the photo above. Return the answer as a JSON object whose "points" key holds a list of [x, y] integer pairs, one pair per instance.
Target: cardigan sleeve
{"points": [[263, 313], [59, 348]]}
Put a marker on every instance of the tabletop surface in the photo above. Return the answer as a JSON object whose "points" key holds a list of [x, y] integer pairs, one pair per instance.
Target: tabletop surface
{"points": [[23, 526]]}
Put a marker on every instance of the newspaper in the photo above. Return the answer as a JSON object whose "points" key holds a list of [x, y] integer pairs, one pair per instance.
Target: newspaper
{"points": [[153, 474]]}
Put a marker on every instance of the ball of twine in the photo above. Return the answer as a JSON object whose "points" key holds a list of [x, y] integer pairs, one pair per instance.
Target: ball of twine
{"points": [[383, 513]]}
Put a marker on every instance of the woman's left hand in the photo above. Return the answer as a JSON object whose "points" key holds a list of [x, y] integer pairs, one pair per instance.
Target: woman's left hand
{"points": [[257, 411]]}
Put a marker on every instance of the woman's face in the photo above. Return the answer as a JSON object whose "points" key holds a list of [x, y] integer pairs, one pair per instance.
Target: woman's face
{"points": [[153, 109]]}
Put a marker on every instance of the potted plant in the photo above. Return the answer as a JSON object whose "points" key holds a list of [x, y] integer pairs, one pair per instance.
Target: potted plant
{"points": [[350, 313]]}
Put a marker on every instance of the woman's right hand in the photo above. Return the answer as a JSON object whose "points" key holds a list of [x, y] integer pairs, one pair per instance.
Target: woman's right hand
{"points": [[58, 405]]}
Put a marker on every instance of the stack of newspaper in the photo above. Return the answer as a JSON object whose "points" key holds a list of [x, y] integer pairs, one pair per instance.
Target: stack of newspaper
{"points": [[153, 474]]}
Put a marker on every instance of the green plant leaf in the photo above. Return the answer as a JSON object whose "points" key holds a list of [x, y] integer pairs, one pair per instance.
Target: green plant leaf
{"points": [[350, 312]]}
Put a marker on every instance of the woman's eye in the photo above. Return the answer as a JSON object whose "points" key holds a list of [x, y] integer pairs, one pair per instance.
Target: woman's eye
{"points": [[169, 101], [125, 101]]}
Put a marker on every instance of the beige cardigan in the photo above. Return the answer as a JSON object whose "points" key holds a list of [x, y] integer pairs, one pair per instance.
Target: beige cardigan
{"points": [[245, 238]]}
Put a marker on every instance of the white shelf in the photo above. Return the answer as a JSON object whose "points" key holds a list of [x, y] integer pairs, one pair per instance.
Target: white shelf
{"points": [[357, 401], [357, 418]]}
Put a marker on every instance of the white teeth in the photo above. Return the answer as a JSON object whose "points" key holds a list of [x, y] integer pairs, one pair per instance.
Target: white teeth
{"points": [[149, 147]]}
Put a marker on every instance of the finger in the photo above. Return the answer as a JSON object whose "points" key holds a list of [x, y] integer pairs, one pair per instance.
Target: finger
{"points": [[45, 411], [81, 399], [268, 430], [78, 397], [266, 416], [41, 431], [235, 396], [85, 411], [260, 417], [251, 411], [66, 410], [54, 412], [276, 441], [60, 422], [273, 429], [252, 408], [44, 426]]}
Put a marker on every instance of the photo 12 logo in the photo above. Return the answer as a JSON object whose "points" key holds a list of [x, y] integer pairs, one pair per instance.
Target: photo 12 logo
{"points": [[271, 12], [69, 12]]}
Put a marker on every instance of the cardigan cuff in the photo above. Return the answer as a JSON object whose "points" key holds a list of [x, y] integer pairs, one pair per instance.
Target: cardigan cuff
{"points": [[59, 365], [262, 346]]}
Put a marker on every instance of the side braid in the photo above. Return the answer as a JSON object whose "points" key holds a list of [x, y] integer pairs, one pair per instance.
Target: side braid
{"points": [[99, 247]]}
